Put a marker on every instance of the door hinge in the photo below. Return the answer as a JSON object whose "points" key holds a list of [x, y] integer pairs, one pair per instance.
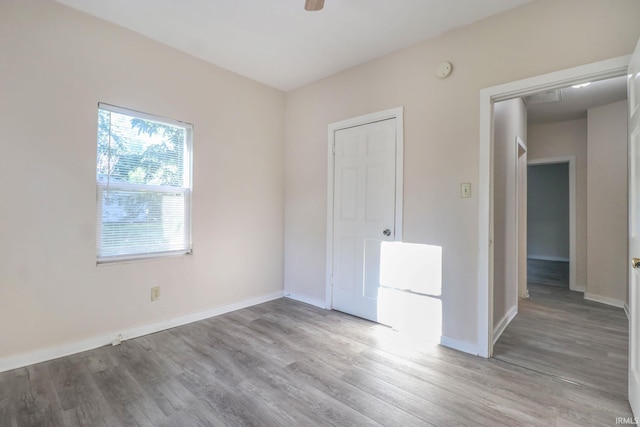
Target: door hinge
{"points": [[333, 148], [331, 280]]}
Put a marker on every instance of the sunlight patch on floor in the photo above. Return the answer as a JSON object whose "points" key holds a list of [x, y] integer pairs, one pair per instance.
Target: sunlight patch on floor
{"points": [[409, 299]]}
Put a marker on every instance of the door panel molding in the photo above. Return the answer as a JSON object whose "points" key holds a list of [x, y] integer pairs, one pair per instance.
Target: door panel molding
{"points": [[393, 113]]}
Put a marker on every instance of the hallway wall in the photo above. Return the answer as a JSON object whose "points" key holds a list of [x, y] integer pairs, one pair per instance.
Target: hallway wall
{"points": [[510, 121], [607, 216]]}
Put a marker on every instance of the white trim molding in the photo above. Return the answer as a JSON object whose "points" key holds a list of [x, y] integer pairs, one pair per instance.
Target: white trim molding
{"points": [[604, 300], [521, 152], [596, 71], [464, 346], [306, 300], [626, 309], [503, 323], [38, 356], [393, 113]]}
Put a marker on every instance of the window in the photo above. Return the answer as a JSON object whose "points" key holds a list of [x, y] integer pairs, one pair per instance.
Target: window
{"points": [[143, 185]]}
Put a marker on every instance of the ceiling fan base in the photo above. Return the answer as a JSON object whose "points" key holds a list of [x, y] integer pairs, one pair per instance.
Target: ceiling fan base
{"points": [[313, 5]]}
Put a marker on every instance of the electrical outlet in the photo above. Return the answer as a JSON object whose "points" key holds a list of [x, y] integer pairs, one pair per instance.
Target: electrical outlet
{"points": [[155, 293], [465, 190]]}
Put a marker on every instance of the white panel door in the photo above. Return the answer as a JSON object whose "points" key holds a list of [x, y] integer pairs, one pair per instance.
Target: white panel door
{"points": [[634, 230], [364, 213]]}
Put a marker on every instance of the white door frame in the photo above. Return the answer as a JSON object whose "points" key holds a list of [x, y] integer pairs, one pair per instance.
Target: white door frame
{"points": [[393, 113], [520, 146], [571, 160], [596, 71]]}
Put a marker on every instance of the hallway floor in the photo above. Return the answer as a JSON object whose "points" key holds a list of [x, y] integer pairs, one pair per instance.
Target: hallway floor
{"points": [[559, 333], [545, 272]]}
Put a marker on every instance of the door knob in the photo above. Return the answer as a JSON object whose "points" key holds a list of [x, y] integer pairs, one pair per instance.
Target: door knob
{"points": [[635, 262], [387, 232]]}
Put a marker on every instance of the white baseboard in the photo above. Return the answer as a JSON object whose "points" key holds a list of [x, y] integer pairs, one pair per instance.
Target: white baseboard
{"points": [[548, 258], [306, 300], [26, 359], [604, 300], [465, 347], [503, 323], [626, 310]]}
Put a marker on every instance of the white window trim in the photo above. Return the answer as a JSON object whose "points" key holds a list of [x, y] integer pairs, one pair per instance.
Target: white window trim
{"points": [[101, 185]]}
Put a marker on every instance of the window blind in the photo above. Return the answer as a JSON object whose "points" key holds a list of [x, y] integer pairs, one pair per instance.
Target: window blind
{"points": [[143, 185]]}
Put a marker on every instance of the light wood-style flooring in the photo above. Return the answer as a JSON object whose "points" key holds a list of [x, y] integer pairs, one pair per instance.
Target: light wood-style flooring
{"points": [[284, 363], [544, 272], [559, 333]]}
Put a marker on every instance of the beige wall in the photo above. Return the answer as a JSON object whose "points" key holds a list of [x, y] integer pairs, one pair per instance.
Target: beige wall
{"points": [[561, 139], [441, 131], [510, 121], [607, 202], [56, 64]]}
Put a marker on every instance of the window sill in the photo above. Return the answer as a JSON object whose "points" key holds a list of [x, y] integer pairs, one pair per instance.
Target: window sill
{"points": [[142, 258]]}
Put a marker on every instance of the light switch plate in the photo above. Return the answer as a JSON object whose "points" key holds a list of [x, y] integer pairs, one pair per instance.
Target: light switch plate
{"points": [[465, 190], [155, 293]]}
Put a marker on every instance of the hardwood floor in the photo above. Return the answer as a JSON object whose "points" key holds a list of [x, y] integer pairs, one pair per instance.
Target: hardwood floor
{"points": [[544, 272], [559, 333], [284, 363]]}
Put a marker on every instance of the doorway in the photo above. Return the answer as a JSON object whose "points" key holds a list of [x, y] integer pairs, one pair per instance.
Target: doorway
{"points": [[591, 72], [365, 169], [558, 332], [364, 214], [551, 222]]}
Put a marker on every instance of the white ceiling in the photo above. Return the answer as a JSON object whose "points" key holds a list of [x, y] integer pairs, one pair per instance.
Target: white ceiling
{"points": [[576, 102], [278, 43]]}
